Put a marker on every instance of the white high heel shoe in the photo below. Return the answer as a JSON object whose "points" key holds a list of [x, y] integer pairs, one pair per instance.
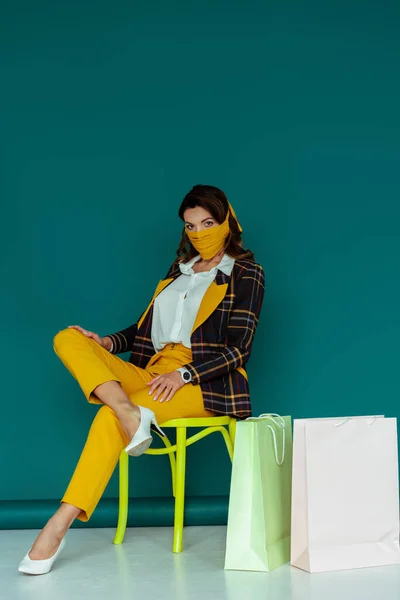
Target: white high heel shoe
{"points": [[39, 567], [142, 439]]}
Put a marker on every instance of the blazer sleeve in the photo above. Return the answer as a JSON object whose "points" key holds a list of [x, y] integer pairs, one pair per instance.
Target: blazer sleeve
{"points": [[241, 329], [123, 340]]}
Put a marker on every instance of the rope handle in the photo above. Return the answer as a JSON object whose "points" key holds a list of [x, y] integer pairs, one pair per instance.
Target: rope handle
{"points": [[279, 422]]}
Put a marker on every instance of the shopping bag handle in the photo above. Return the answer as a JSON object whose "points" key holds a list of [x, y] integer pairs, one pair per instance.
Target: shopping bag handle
{"points": [[279, 422]]}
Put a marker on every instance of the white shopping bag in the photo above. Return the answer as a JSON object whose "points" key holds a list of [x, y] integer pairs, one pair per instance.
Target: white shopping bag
{"points": [[345, 494]]}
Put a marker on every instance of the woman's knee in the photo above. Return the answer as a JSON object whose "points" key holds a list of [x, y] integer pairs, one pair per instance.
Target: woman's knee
{"points": [[64, 337]]}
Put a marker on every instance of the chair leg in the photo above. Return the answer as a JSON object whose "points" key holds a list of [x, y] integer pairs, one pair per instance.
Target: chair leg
{"points": [[179, 488], [123, 497], [172, 463], [228, 441], [232, 431]]}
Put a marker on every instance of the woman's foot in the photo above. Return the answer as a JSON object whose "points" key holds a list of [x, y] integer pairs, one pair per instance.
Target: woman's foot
{"points": [[48, 540], [142, 438], [130, 418], [39, 567]]}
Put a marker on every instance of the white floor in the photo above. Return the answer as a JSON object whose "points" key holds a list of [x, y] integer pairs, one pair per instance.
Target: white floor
{"points": [[144, 568]]}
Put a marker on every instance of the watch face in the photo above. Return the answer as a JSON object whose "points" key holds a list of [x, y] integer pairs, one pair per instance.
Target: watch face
{"points": [[186, 376]]}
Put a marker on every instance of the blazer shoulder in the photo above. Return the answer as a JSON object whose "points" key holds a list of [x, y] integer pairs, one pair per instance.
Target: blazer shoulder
{"points": [[245, 267]]}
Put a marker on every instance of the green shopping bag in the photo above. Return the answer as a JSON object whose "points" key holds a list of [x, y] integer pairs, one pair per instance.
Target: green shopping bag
{"points": [[258, 536]]}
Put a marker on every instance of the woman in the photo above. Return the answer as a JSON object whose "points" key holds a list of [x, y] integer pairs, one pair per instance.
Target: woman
{"points": [[188, 352]]}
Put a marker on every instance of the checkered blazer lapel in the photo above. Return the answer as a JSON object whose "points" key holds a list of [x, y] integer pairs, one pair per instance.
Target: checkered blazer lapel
{"points": [[212, 298]]}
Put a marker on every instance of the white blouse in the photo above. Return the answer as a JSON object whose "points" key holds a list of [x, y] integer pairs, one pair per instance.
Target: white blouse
{"points": [[176, 307]]}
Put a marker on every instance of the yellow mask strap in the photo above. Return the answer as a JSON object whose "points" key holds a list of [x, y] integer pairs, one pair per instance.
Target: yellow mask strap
{"points": [[235, 217]]}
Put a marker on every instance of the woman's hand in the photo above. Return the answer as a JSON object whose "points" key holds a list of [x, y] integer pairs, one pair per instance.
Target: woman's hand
{"points": [[104, 342], [165, 386]]}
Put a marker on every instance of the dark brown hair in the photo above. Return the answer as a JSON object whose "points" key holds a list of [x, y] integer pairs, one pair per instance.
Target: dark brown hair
{"points": [[214, 200]]}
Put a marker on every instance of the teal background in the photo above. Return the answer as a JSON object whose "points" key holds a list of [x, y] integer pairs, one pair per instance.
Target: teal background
{"points": [[109, 113]]}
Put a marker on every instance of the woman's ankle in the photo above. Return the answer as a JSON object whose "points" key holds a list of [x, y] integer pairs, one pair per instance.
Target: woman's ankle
{"points": [[130, 421], [62, 520]]}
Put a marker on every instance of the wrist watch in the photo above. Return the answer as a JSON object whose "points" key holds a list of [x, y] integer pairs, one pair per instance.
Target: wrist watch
{"points": [[185, 374]]}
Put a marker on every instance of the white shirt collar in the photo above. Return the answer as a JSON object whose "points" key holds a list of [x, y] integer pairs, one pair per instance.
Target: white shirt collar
{"points": [[226, 265]]}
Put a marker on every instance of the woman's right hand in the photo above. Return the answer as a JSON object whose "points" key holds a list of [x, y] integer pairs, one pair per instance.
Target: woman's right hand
{"points": [[105, 342]]}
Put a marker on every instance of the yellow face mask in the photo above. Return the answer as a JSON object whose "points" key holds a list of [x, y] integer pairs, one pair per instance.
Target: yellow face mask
{"points": [[211, 241]]}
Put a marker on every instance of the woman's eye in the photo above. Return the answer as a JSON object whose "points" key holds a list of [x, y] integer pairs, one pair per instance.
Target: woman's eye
{"points": [[209, 223], [189, 227]]}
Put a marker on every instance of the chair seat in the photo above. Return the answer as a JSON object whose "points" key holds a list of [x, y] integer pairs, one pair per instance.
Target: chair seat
{"points": [[197, 422]]}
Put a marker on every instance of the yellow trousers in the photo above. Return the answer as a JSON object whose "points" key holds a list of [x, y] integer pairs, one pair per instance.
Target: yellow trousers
{"points": [[92, 365]]}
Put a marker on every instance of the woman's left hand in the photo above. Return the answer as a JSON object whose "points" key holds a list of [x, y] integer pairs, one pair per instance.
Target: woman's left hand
{"points": [[165, 386]]}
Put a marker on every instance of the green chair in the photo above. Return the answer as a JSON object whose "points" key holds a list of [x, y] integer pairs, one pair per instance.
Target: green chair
{"points": [[177, 456]]}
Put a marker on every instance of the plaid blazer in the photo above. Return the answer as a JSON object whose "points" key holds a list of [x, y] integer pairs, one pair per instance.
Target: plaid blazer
{"points": [[221, 338]]}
